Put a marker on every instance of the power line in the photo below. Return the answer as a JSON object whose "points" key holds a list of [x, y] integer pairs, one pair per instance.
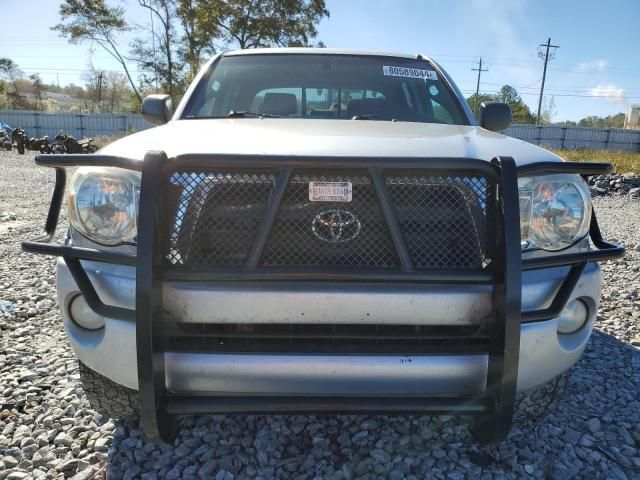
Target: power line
{"points": [[468, 90], [611, 90], [544, 72], [479, 70]]}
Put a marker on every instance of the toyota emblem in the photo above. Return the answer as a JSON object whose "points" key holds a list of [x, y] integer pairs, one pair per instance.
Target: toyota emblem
{"points": [[336, 226]]}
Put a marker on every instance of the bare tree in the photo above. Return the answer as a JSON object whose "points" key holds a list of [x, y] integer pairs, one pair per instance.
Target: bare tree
{"points": [[163, 64], [95, 21], [9, 71], [93, 85], [116, 91], [548, 110]]}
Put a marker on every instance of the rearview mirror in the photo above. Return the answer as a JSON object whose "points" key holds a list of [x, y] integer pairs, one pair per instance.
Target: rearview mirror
{"points": [[157, 108], [494, 116]]}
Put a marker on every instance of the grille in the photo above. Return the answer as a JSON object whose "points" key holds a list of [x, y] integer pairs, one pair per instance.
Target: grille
{"points": [[217, 216], [444, 220], [292, 242], [324, 338]]}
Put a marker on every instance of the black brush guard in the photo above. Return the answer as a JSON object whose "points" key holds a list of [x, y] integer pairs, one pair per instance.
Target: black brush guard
{"points": [[159, 407]]}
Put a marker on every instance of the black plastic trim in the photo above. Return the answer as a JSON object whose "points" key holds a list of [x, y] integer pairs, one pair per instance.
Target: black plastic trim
{"points": [[191, 404], [92, 298], [584, 169], [158, 407]]}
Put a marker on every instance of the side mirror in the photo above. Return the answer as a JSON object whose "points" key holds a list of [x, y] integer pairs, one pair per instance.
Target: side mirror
{"points": [[157, 108], [494, 116]]}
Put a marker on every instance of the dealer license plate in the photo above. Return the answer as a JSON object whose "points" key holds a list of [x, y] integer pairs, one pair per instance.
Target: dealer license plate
{"points": [[330, 191]]}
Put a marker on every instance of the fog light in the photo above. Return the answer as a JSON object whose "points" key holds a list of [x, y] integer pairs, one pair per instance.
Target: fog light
{"points": [[573, 316], [83, 316]]}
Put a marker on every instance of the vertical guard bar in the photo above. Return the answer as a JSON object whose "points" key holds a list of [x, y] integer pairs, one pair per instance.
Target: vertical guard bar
{"points": [[157, 424], [388, 209], [56, 202], [502, 374], [273, 205]]}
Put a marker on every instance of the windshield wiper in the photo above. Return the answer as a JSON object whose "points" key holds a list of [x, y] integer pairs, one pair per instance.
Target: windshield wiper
{"points": [[244, 114], [371, 117]]}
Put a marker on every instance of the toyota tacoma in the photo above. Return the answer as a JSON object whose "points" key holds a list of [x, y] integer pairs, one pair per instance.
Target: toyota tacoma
{"points": [[319, 230]]}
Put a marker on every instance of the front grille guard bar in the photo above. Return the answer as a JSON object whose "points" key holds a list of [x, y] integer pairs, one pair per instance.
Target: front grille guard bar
{"points": [[158, 406]]}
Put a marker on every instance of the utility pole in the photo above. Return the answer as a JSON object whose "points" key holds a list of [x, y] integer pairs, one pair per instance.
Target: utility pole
{"points": [[99, 89], [544, 72], [479, 70]]}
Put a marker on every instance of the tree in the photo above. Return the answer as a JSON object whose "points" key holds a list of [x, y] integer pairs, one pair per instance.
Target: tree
{"points": [[164, 66], [519, 110], [611, 121], [10, 71], [474, 101], [196, 40], [94, 86], [116, 91], [260, 23], [96, 22], [36, 81], [548, 110]]}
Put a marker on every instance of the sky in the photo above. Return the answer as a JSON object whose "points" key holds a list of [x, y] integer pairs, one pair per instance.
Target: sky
{"points": [[595, 70]]}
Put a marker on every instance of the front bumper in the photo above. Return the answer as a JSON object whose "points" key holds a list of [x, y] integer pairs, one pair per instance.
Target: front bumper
{"points": [[451, 368], [112, 351]]}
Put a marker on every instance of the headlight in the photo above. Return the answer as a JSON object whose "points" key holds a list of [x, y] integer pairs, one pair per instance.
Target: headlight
{"points": [[103, 204], [555, 211]]}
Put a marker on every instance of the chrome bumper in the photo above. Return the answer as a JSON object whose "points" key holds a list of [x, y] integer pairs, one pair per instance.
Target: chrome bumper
{"points": [[112, 351], [492, 345]]}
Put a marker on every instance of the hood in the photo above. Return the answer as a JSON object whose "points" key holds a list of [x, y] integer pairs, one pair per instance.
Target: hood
{"points": [[295, 137]]}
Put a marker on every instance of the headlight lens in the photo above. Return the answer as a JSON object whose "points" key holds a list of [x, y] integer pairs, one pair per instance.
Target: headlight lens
{"points": [[103, 204], [555, 211]]}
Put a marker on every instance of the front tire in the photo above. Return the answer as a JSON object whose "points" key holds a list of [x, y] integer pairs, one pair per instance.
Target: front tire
{"points": [[107, 397]]}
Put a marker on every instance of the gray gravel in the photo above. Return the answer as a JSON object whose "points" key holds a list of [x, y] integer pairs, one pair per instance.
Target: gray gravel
{"points": [[620, 184], [47, 429]]}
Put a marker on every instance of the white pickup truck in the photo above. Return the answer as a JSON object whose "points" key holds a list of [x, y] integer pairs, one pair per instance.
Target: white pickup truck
{"points": [[319, 230]]}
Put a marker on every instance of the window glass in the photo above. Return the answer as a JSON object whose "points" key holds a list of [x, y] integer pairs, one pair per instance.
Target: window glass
{"points": [[258, 101], [440, 114], [325, 86]]}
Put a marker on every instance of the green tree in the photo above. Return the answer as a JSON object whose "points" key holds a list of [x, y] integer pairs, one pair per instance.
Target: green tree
{"points": [[158, 59], [474, 100], [199, 35], [519, 110], [96, 22], [261, 23], [611, 121]]}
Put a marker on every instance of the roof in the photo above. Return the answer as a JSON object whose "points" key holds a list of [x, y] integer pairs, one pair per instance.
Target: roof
{"points": [[319, 51]]}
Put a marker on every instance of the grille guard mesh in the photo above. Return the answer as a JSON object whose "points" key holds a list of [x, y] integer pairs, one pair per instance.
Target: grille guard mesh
{"points": [[445, 220]]}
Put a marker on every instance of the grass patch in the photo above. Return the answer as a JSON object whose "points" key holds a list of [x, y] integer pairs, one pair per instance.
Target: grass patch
{"points": [[622, 162]]}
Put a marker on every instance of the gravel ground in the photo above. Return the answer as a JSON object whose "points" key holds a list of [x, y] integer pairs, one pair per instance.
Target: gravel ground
{"points": [[48, 430]]}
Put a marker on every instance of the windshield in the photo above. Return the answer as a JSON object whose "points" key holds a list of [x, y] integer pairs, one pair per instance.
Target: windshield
{"points": [[323, 86]]}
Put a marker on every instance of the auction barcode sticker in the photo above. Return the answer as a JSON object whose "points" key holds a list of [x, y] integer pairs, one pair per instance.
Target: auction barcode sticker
{"points": [[406, 72], [330, 191]]}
